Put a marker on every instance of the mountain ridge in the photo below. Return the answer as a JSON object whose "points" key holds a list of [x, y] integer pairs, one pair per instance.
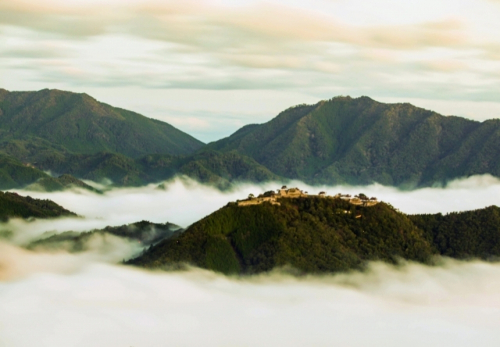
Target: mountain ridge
{"points": [[342, 140], [13, 205], [362, 141], [81, 124]]}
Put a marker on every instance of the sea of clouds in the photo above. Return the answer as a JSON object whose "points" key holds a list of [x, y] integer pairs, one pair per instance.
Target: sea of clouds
{"points": [[86, 299], [184, 201]]}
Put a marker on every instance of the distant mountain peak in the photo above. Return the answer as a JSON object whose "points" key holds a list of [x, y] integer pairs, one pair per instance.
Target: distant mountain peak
{"points": [[80, 124], [348, 140]]}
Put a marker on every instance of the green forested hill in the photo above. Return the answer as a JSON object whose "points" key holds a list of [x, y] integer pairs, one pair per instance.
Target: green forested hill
{"points": [[13, 205], [471, 234], [338, 141], [63, 182], [317, 235], [210, 167], [360, 141], [14, 174], [310, 234], [73, 134], [47, 122]]}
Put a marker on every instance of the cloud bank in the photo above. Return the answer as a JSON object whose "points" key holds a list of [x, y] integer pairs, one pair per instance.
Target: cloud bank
{"points": [[84, 299], [104, 305], [184, 202]]}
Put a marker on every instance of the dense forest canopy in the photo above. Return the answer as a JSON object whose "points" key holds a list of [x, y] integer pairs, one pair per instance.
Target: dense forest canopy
{"points": [[338, 141], [13, 205], [314, 235]]}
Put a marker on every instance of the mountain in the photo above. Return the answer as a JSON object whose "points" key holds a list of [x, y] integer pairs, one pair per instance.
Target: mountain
{"points": [[323, 234], [14, 174], [63, 182], [73, 134], [361, 141], [209, 167], [144, 232], [337, 141], [464, 235], [311, 234], [13, 205], [50, 123]]}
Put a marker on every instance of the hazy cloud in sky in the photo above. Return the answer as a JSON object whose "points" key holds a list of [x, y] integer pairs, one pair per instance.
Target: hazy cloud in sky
{"points": [[442, 53]]}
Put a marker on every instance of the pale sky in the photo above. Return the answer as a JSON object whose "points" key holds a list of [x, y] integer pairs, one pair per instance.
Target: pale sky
{"points": [[209, 67]]}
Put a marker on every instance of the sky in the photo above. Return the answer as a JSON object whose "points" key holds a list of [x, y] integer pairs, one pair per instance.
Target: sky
{"points": [[209, 67]]}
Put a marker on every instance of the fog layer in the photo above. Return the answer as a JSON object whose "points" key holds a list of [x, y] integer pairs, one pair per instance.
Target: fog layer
{"points": [[67, 302], [184, 201], [60, 299]]}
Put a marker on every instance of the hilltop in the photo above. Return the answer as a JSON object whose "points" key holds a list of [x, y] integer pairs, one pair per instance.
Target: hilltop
{"points": [[15, 174], [310, 233], [361, 141], [321, 233], [74, 134], [13, 205], [47, 123]]}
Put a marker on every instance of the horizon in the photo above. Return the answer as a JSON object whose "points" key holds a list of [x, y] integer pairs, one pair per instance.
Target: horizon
{"points": [[208, 67]]}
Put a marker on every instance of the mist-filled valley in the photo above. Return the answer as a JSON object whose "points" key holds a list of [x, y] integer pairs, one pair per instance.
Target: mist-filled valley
{"points": [[63, 301], [183, 201], [88, 298]]}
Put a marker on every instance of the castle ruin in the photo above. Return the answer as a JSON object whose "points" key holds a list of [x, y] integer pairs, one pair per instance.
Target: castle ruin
{"points": [[284, 192]]}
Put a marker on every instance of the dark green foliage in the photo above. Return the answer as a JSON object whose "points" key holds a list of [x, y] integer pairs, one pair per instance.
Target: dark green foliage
{"points": [[52, 184], [210, 167], [338, 141], [220, 256], [471, 234], [220, 169], [14, 174], [310, 234], [317, 235], [34, 123], [13, 205], [361, 141], [145, 232]]}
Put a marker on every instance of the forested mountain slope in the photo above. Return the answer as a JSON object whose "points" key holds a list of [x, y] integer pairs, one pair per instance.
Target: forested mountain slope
{"points": [[52, 122], [338, 141], [310, 234], [14, 174], [209, 167], [463, 235], [68, 133], [13, 205], [361, 141], [315, 235]]}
